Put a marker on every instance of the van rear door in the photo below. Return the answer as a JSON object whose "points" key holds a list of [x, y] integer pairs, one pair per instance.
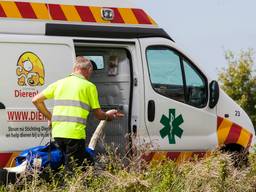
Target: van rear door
{"points": [[28, 65], [176, 99]]}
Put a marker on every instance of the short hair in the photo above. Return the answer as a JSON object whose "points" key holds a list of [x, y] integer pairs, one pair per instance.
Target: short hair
{"points": [[82, 63]]}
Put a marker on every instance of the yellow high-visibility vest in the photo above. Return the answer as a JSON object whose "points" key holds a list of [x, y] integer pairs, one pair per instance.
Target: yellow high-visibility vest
{"points": [[74, 97]]}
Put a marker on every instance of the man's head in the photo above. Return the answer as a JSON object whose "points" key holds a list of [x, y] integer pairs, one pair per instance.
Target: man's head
{"points": [[83, 66]]}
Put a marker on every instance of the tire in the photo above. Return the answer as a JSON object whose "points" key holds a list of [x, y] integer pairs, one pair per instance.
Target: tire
{"points": [[7, 177], [238, 154]]}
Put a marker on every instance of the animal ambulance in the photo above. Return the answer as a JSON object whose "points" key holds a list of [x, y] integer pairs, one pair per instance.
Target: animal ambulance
{"points": [[170, 104]]}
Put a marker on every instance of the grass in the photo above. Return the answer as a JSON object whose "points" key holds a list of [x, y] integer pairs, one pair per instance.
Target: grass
{"points": [[214, 173]]}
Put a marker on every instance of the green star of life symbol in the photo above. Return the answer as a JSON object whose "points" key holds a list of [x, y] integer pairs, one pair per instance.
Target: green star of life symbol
{"points": [[171, 126]]}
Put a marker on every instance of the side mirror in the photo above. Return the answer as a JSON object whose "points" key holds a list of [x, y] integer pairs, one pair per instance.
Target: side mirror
{"points": [[2, 106], [214, 94]]}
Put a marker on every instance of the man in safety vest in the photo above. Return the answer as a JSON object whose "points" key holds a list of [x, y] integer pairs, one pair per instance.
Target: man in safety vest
{"points": [[74, 97]]}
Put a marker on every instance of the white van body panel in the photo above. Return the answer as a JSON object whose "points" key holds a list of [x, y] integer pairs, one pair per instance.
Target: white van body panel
{"points": [[199, 124], [23, 129]]}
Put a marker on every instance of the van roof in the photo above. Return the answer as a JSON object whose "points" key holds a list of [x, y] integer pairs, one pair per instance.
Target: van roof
{"points": [[92, 11], [90, 18], [99, 3]]}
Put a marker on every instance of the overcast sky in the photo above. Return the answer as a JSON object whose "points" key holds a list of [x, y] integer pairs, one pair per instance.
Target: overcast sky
{"points": [[206, 28]]}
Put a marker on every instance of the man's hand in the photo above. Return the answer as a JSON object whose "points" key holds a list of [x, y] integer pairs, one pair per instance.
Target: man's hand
{"points": [[112, 114], [109, 115], [38, 101]]}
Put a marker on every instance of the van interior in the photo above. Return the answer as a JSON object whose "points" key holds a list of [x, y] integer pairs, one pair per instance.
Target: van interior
{"points": [[112, 77]]}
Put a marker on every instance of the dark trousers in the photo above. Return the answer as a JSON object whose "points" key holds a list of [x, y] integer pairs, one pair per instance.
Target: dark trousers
{"points": [[73, 151]]}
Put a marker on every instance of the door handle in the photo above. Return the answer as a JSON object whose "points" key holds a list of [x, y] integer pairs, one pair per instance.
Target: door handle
{"points": [[2, 106], [151, 110]]}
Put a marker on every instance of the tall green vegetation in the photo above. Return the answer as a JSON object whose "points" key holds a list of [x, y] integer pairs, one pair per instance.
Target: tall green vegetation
{"points": [[215, 173], [239, 80]]}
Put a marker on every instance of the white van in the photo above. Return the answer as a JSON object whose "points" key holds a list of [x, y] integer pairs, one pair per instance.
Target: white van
{"points": [[168, 100]]}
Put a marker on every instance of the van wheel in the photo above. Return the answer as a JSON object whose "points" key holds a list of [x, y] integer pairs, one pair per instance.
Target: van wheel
{"points": [[3, 175], [238, 154], [7, 177]]}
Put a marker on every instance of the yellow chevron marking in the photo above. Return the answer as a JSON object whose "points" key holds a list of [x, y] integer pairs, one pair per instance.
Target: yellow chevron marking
{"points": [[40, 10], [184, 156], [10, 9], [244, 138], [71, 13], [223, 131], [208, 154], [159, 156], [11, 161], [152, 20], [128, 16]]}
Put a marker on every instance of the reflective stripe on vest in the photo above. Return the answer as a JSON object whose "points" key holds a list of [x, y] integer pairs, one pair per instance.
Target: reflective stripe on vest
{"points": [[56, 118], [67, 118], [73, 103]]}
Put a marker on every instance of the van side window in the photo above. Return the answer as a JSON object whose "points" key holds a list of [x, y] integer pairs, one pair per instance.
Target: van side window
{"points": [[196, 88], [97, 61], [97, 58], [165, 72], [173, 76]]}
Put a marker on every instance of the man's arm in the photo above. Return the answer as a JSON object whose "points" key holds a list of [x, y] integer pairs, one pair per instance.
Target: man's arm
{"points": [[109, 115], [38, 101]]}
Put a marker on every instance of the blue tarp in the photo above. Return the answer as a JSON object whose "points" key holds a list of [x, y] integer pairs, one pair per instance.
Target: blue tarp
{"points": [[48, 155]]}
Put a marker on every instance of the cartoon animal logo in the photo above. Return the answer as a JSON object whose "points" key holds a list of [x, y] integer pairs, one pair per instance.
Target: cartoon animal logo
{"points": [[30, 70]]}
